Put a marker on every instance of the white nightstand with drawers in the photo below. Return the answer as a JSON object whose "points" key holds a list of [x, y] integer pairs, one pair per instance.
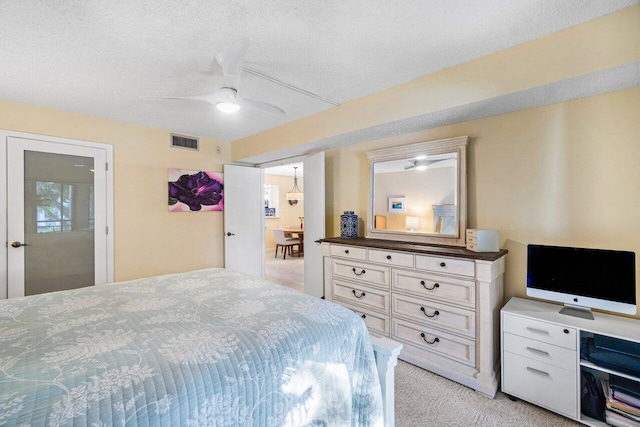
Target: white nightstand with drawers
{"points": [[442, 302]]}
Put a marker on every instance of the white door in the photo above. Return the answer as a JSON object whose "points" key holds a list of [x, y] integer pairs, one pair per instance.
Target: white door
{"points": [[313, 224], [56, 216], [244, 220]]}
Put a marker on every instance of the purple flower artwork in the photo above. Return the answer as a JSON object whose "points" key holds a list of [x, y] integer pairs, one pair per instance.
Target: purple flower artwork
{"points": [[191, 191]]}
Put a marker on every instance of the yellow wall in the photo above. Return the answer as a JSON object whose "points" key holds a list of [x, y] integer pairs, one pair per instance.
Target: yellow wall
{"points": [[600, 44], [289, 215], [565, 174], [148, 239]]}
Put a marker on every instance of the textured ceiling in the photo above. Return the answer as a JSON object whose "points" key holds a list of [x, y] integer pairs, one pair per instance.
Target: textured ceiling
{"points": [[101, 57]]}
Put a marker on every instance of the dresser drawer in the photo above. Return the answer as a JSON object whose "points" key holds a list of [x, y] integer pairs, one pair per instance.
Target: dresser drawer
{"points": [[361, 295], [452, 346], [376, 323], [434, 313], [537, 382], [540, 331], [351, 252], [432, 286], [540, 351], [361, 272], [446, 265], [391, 258]]}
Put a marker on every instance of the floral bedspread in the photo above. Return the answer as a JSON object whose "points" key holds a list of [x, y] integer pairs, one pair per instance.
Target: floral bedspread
{"points": [[206, 348]]}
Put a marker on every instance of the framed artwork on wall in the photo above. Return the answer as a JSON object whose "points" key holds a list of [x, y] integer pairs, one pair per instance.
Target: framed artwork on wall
{"points": [[397, 204], [195, 191]]}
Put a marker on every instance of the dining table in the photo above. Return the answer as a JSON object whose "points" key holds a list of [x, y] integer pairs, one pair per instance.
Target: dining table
{"points": [[300, 233]]}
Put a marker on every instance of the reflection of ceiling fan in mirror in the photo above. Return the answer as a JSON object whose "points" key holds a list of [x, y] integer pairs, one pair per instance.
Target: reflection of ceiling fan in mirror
{"points": [[420, 164]]}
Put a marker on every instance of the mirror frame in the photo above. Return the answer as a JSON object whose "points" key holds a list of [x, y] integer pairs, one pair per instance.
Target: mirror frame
{"points": [[440, 146]]}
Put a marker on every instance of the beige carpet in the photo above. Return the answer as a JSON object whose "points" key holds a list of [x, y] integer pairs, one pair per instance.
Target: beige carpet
{"points": [[288, 272], [426, 399]]}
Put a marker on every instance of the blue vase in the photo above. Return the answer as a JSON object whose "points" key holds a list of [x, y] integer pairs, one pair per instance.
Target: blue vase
{"points": [[349, 224]]}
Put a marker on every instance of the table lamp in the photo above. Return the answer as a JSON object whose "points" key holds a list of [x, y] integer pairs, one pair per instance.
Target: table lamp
{"points": [[412, 223]]}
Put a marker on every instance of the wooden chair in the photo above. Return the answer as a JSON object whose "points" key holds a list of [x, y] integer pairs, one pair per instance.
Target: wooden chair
{"points": [[287, 244]]}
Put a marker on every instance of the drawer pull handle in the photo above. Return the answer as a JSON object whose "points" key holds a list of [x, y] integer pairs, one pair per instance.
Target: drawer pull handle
{"points": [[388, 256], [537, 371], [364, 316], [358, 274], [535, 350], [435, 313], [346, 251], [537, 331], [424, 285], [442, 264], [356, 295], [435, 340]]}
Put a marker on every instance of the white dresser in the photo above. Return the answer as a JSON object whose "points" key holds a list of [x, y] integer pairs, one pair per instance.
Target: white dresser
{"points": [[442, 302]]}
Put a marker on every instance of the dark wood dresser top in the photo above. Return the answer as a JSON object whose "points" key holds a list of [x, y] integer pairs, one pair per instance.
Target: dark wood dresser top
{"points": [[421, 248]]}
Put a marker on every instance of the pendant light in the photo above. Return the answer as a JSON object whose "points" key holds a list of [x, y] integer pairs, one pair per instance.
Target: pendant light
{"points": [[295, 193]]}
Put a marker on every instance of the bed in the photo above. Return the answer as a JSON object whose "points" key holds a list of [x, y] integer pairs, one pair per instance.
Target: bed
{"points": [[211, 347]]}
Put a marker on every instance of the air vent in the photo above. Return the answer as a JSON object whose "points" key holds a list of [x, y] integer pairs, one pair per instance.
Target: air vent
{"points": [[179, 141]]}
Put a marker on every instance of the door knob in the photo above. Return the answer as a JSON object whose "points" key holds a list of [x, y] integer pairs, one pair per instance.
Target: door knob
{"points": [[230, 233], [17, 244]]}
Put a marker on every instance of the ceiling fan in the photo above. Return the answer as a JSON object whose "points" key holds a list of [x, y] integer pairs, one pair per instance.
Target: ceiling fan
{"points": [[420, 164], [226, 98]]}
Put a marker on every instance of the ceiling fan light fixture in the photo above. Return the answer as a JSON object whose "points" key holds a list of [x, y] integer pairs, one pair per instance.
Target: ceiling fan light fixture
{"points": [[227, 107], [422, 163]]}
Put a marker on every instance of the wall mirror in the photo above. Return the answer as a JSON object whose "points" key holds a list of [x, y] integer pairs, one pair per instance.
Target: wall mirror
{"points": [[418, 192]]}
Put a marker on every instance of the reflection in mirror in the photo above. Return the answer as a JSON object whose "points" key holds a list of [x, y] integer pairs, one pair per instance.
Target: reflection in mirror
{"points": [[271, 201], [428, 200], [418, 192]]}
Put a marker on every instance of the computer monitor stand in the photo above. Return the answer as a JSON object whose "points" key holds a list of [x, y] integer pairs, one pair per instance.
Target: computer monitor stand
{"points": [[572, 310]]}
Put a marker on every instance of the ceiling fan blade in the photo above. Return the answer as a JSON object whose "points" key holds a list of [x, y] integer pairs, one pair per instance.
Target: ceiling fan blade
{"points": [[208, 97], [433, 162], [261, 106], [409, 167], [232, 62]]}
